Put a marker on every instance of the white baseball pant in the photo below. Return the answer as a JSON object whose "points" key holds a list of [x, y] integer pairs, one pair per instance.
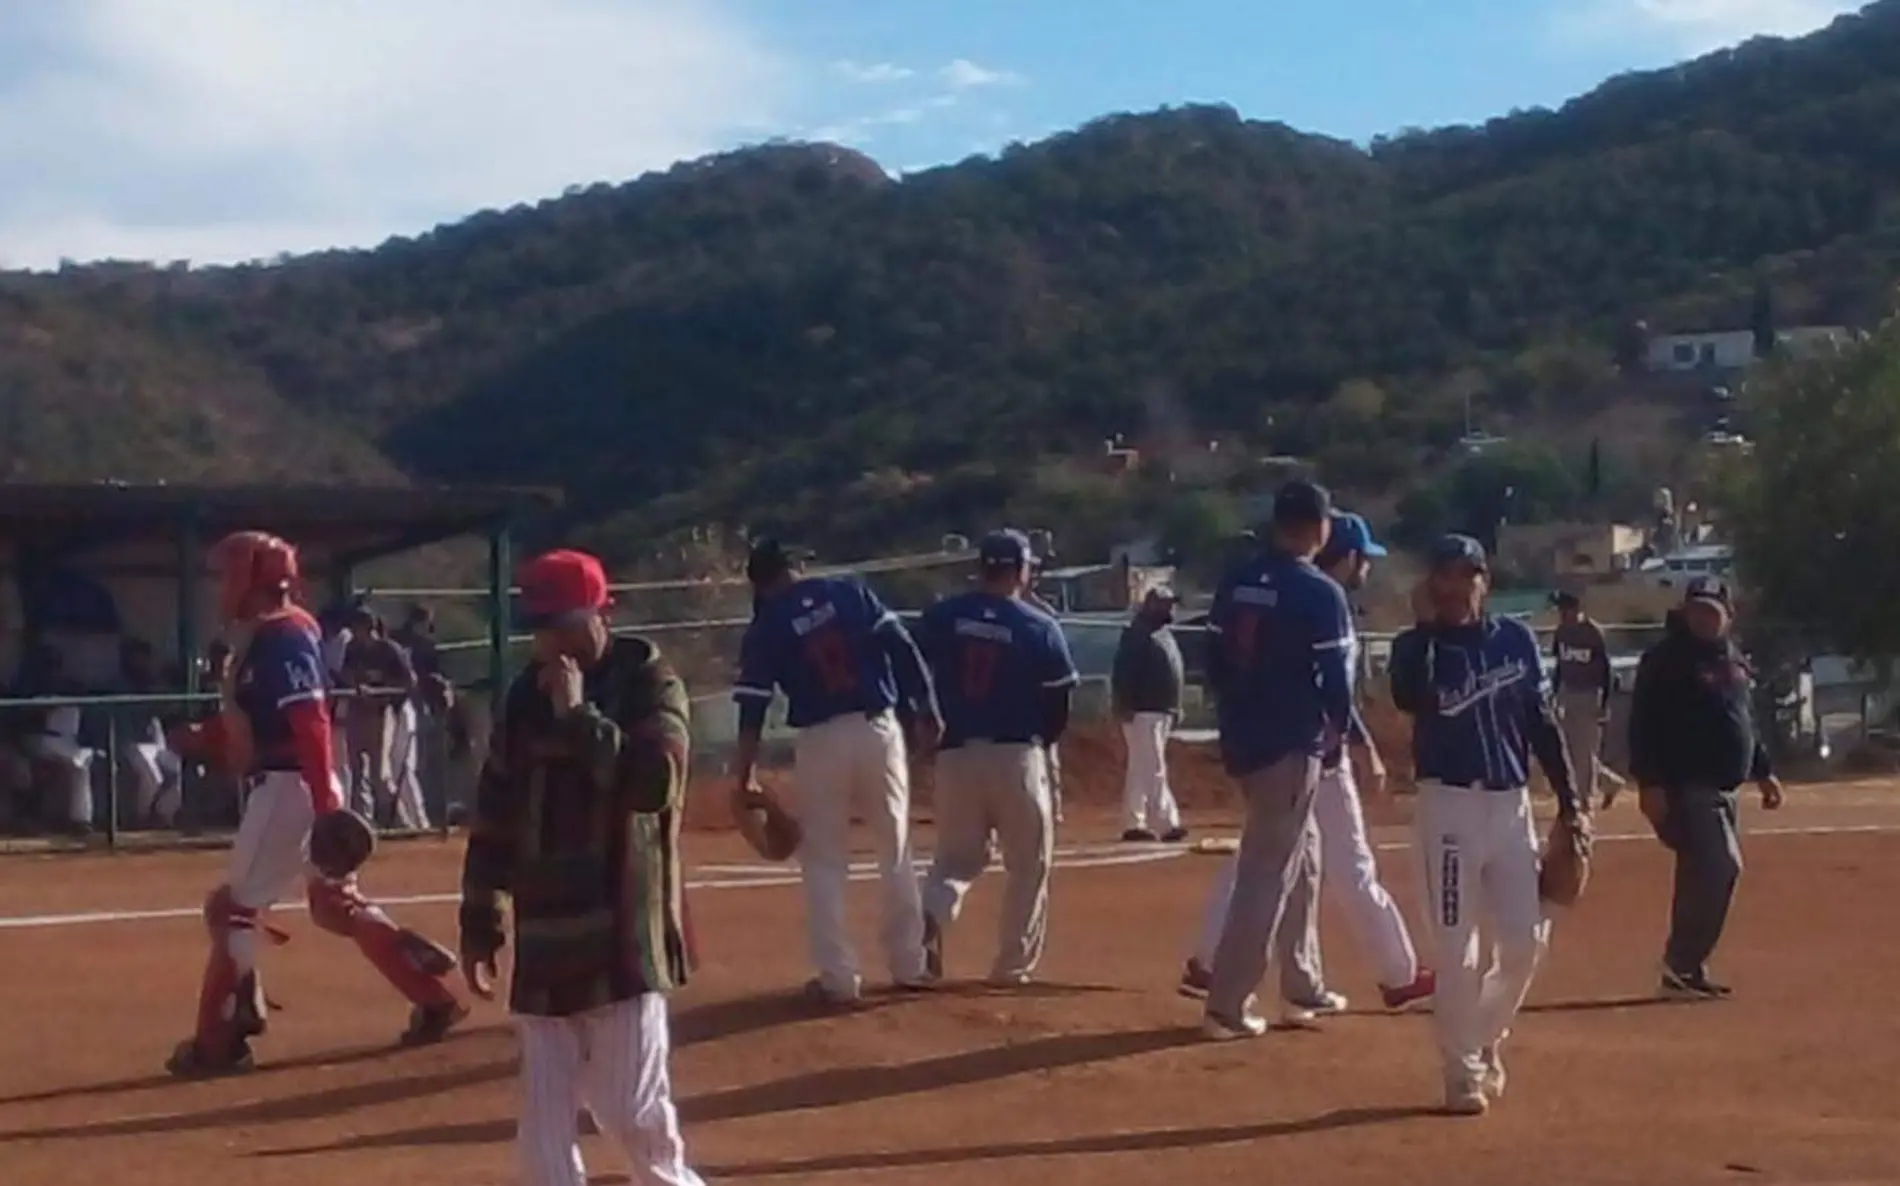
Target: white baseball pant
{"points": [[1480, 853], [405, 743], [1349, 871], [984, 789], [1147, 799], [612, 1061], [270, 855], [854, 761]]}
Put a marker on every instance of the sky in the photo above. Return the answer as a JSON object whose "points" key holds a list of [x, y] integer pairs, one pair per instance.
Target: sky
{"points": [[215, 131]]}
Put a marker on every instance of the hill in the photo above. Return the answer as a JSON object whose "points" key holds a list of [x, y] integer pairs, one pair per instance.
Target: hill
{"points": [[785, 335]]}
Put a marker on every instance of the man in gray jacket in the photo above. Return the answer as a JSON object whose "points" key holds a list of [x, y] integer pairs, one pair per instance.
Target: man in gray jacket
{"points": [[1146, 689]]}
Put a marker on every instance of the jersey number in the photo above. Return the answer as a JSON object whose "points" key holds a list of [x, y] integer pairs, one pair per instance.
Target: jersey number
{"points": [[831, 658], [979, 662]]}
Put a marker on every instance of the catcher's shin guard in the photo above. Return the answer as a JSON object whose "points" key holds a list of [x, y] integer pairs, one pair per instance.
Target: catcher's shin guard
{"points": [[232, 1008], [414, 965]]}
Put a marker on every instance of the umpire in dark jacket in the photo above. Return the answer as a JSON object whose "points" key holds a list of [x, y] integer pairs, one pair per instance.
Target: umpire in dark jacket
{"points": [[1692, 741]]}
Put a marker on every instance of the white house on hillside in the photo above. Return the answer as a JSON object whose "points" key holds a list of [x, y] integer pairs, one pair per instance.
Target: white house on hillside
{"points": [[1733, 349]]}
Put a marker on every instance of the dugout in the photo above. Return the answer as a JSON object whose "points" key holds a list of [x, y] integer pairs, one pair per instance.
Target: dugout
{"points": [[93, 563]]}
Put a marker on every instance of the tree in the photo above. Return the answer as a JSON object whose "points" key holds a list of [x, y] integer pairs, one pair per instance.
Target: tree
{"points": [[1761, 319], [1816, 506]]}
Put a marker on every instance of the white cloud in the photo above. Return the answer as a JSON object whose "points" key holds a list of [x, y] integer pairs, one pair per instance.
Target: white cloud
{"points": [[1696, 26], [876, 72], [963, 74], [229, 129]]}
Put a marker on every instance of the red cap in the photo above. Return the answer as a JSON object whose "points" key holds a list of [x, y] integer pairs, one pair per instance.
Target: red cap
{"points": [[561, 587]]}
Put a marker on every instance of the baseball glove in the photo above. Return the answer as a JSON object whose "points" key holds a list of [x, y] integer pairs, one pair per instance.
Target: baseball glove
{"points": [[1564, 868], [770, 829], [340, 842]]}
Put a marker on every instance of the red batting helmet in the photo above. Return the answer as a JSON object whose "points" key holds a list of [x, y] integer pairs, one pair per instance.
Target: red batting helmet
{"points": [[249, 563]]}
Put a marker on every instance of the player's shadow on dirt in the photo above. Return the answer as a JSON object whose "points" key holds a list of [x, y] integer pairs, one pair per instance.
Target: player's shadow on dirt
{"points": [[1602, 1004], [329, 1060], [316, 1105], [1152, 1141], [832, 1087]]}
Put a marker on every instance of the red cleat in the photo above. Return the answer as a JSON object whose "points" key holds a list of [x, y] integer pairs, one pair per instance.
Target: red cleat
{"points": [[1422, 987]]}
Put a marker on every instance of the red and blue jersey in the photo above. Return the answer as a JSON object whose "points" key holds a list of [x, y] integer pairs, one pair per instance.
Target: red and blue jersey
{"points": [[993, 661], [833, 648], [1278, 661], [281, 669]]}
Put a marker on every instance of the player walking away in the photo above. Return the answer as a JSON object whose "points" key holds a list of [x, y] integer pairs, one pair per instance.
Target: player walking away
{"points": [[1474, 687], [1278, 666], [1692, 742], [577, 820], [378, 673], [1343, 852], [275, 729], [1004, 677], [1146, 690], [842, 660], [1582, 658]]}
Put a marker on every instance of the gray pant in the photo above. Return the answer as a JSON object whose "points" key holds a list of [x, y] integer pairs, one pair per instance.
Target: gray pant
{"points": [[1700, 829], [1581, 716], [1296, 943], [1266, 870]]}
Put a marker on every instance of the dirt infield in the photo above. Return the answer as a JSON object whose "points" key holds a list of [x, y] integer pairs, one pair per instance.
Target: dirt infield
{"points": [[1093, 1076]]}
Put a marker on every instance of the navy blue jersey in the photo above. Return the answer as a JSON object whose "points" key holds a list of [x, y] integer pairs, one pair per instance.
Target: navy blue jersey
{"points": [[282, 666], [1277, 660], [828, 644], [993, 660], [1480, 705]]}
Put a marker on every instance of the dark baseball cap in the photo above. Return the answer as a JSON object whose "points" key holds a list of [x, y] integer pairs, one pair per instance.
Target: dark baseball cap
{"points": [[1005, 548], [562, 587], [1302, 503], [1459, 549], [771, 558], [1565, 599], [1351, 535], [1707, 588]]}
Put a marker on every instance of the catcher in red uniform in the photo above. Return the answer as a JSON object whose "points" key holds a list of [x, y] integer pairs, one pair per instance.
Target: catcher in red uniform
{"points": [[273, 731]]}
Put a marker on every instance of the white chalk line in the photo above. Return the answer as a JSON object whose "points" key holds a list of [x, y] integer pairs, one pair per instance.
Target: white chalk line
{"points": [[1088, 856]]}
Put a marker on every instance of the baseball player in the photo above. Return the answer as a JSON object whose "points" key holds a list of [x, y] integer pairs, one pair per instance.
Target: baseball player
{"points": [[842, 660], [1003, 676], [275, 730], [1583, 690], [1474, 687], [1344, 855], [1277, 662], [577, 820]]}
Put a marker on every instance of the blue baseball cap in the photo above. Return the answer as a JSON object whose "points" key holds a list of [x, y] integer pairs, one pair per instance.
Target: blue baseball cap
{"points": [[1005, 548], [1351, 534], [1302, 503], [1459, 549]]}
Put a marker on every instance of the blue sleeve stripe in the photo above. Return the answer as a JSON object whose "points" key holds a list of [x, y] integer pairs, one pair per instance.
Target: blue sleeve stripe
{"points": [[748, 692]]}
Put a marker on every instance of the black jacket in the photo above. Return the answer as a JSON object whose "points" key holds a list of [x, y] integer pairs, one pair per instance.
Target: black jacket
{"points": [[1691, 720]]}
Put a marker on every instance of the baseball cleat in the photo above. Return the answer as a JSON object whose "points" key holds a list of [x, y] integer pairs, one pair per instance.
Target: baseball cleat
{"points": [[1690, 986], [933, 948], [429, 1024], [1138, 836], [1174, 835], [1325, 1004], [1422, 987], [824, 994], [1465, 1099], [1494, 1079], [1195, 978], [1009, 979], [189, 1061], [1227, 1029]]}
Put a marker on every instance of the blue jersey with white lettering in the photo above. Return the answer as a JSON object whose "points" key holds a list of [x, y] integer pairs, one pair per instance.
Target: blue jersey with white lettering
{"points": [[282, 666], [992, 660], [824, 642], [1480, 705], [1277, 661]]}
